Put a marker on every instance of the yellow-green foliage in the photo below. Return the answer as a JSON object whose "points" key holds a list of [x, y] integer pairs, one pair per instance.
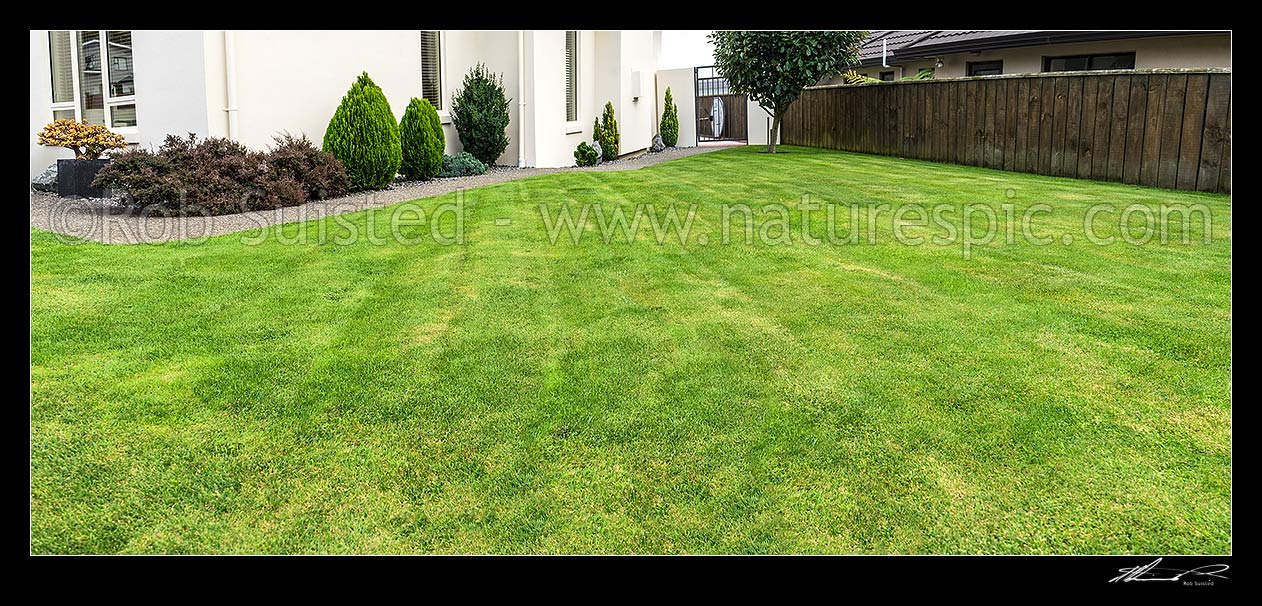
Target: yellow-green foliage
{"points": [[87, 141], [364, 136], [852, 77]]}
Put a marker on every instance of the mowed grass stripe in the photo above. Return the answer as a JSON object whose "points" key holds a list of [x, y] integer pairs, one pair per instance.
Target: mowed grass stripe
{"points": [[509, 395]]}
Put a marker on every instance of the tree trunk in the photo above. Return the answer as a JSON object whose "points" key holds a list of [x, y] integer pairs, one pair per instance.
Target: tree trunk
{"points": [[775, 133]]}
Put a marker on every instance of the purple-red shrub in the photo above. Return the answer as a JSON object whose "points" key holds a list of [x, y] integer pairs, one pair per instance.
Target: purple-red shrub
{"points": [[217, 176]]}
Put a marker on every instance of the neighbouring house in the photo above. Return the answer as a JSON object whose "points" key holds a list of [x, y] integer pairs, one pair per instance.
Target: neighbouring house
{"points": [[252, 85], [894, 54]]}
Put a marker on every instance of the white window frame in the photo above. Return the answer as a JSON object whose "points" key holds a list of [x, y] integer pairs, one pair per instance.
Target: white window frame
{"points": [[576, 126], [129, 132], [444, 114]]}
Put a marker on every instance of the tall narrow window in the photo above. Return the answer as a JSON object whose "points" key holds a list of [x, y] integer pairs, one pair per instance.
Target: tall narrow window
{"points": [[431, 69], [62, 67], [571, 76], [91, 84], [121, 79]]}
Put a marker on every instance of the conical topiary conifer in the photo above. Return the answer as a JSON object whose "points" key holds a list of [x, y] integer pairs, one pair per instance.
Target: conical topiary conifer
{"points": [[609, 138], [669, 128], [364, 136], [423, 142]]}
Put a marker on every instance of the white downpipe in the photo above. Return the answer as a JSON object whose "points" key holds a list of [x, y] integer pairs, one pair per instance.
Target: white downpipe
{"points": [[521, 99], [230, 82]]}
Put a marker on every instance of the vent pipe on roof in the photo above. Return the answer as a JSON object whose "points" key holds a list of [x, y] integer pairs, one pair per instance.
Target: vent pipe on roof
{"points": [[884, 52]]}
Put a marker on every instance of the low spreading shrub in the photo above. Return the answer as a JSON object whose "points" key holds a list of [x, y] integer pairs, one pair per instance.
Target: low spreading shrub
{"points": [[462, 164], [217, 176], [320, 174], [586, 155]]}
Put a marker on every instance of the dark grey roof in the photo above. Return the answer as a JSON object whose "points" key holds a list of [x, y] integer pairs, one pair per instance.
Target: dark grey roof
{"points": [[914, 44]]}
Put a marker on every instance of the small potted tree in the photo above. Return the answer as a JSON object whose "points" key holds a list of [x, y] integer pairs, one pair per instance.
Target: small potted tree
{"points": [[88, 142]]}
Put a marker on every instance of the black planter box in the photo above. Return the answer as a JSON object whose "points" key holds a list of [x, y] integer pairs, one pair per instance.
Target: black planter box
{"points": [[74, 178]]}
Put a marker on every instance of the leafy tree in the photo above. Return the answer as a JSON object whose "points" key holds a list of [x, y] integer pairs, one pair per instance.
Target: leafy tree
{"points": [[423, 140], [480, 113], [364, 136], [669, 128], [773, 67]]}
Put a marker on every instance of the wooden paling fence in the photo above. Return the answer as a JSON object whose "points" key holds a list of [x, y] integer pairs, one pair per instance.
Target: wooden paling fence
{"points": [[1160, 128]]}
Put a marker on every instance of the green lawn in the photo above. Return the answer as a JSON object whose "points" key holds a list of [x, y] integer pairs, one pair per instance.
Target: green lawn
{"points": [[509, 395]]}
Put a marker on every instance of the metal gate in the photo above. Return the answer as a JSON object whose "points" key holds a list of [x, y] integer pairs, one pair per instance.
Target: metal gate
{"points": [[720, 113]]}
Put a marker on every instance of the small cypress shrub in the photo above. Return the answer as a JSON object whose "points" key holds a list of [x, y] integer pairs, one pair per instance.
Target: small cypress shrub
{"points": [[422, 134], [479, 110], [609, 139], [669, 128], [586, 155], [364, 136]]}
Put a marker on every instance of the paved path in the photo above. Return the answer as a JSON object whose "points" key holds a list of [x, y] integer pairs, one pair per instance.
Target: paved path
{"points": [[91, 221]]}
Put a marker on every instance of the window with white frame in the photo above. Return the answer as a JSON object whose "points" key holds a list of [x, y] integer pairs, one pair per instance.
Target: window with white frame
{"points": [[571, 76], [93, 77], [432, 68]]}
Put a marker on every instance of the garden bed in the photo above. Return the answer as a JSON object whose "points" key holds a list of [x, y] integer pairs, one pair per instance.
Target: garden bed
{"points": [[112, 221]]}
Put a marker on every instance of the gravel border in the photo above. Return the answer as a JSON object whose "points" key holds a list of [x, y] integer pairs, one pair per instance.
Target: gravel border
{"points": [[106, 222]]}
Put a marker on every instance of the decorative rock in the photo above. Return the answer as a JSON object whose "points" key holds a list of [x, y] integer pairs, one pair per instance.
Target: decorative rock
{"points": [[657, 144], [600, 153], [47, 180]]}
